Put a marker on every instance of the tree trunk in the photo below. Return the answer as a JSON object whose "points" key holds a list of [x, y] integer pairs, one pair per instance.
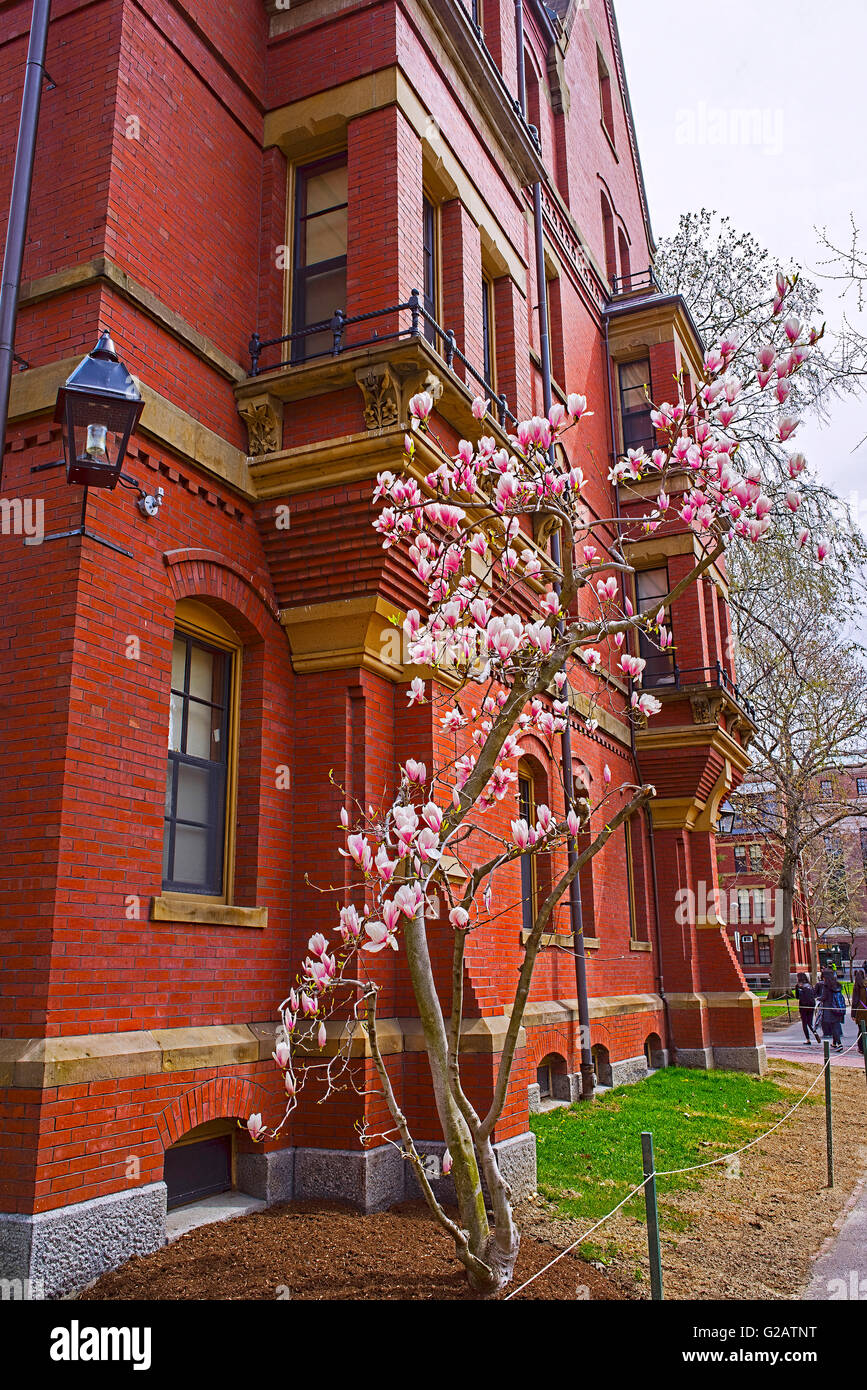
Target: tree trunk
{"points": [[781, 961], [498, 1250]]}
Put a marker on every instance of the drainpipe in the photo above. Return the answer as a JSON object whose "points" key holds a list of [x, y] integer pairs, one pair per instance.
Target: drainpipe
{"points": [[519, 43], [657, 931], [576, 915], [19, 204]]}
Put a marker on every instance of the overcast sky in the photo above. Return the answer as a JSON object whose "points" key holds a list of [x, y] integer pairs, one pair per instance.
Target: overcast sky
{"points": [[801, 65]]}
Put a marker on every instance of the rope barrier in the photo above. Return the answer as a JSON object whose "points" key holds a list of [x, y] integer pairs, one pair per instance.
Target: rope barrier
{"points": [[673, 1172]]}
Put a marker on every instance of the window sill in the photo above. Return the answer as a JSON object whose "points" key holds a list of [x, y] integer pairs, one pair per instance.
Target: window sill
{"points": [[640, 946], [183, 907], [563, 940]]}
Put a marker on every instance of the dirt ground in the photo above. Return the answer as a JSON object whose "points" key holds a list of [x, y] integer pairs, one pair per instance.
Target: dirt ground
{"points": [[749, 1235], [753, 1234], [321, 1251]]}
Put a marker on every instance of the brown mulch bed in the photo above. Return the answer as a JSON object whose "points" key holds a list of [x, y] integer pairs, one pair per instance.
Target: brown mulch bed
{"points": [[322, 1251], [753, 1234]]}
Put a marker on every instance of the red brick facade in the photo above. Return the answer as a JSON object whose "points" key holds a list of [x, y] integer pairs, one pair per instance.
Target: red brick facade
{"points": [[162, 211]]}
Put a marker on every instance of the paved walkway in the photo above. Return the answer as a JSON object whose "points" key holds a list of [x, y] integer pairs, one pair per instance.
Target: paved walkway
{"points": [[840, 1271], [789, 1043]]}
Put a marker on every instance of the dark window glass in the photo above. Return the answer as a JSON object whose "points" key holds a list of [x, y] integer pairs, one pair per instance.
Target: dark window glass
{"points": [[635, 408], [764, 945], [861, 786], [527, 813], [195, 809], [659, 670], [748, 950], [429, 249], [740, 859], [756, 858], [319, 282], [605, 105], [488, 331]]}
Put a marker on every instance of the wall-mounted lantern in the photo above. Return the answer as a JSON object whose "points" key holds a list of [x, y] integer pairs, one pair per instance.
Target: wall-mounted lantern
{"points": [[99, 407]]}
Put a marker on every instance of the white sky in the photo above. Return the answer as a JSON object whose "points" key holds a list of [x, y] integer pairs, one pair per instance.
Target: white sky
{"points": [[802, 65]]}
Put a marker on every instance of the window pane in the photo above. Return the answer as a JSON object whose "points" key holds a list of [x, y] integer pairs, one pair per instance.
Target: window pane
{"points": [[193, 787], [326, 189], [191, 855], [176, 717], [200, 722], [204, 671], [651, 584], [179, 658], [170, 782], [325, 237], [322, 295], [634, 376]]}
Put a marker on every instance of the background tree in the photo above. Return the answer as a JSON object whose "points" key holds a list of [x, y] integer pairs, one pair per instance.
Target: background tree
{"points": [[808, 683]]}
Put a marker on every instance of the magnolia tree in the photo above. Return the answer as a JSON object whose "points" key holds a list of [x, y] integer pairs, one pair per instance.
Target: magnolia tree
{"points": [[507, 635]]}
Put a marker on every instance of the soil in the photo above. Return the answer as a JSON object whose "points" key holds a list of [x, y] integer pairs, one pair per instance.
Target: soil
{"points": [[754, 1234], [317, 1250], [749, 1235]]}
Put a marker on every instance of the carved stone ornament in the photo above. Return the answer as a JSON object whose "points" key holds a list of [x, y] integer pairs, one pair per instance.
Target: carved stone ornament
{"points": [[544, 526], [424, 381], [706, 708], [381, 391], [263, 416]]}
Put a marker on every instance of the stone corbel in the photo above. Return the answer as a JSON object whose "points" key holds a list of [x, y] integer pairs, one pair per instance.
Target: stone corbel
{"points": [[380, 387], [706, 708], [420, 381], [544, 526], [263, 416]]}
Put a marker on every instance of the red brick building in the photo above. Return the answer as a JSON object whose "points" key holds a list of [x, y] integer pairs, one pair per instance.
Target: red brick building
{"points": [[174, 689], [830, 905]]}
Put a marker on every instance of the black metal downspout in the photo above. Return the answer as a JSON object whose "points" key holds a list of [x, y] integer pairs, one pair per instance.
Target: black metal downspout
{"points": [[660, 982], [19, 203], [519, 42], [576, 914]]}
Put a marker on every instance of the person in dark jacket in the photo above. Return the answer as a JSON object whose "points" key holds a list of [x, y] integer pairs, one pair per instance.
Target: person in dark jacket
{"points": [[806, 1006], [833, 1008], [859, 1005]]}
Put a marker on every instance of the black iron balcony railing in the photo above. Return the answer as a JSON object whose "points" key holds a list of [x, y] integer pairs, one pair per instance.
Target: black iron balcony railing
{"points": [[420, 324], [677, 677], [639, 280]]}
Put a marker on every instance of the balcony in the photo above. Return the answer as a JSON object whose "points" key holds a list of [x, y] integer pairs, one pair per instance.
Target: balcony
{"points": [[639, 283], [693, 680]]}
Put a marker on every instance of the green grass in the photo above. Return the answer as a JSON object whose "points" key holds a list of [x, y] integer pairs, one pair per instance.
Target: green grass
{"points": [[778, 1011], [589, 1156]]}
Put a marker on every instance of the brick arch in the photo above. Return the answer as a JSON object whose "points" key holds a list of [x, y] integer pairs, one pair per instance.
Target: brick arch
{"points": [[223, 1098], [243, 596], [545, 1041]]}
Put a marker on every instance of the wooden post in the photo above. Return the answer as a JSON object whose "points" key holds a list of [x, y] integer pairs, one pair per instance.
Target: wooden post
{"points": [[829, 1131], [653, 1249]]}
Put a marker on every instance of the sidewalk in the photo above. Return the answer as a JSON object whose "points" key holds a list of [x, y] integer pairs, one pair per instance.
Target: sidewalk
{"points": [[789, 1043], [840, 1270]]}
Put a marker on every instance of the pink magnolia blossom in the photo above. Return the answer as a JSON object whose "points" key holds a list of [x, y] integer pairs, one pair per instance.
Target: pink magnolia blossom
{"points": [[421, 405], [255, 1126], [521, 834], [459, 917], [415, 694]]}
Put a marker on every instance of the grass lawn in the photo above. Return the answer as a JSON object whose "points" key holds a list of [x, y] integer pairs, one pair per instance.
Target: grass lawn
{"points": [[589, 1156]]}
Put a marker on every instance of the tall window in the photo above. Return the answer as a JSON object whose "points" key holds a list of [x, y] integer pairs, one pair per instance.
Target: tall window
{"points": [[625, 266], [764, 945], [635, 408], [861, 786], [649, 586], [748, 950], [488, 331], [196, 779], [740, 859], [605, 105], [319, 280], [608, 240], [527, 812], [429, 250], [755, 859], [744, 905]]}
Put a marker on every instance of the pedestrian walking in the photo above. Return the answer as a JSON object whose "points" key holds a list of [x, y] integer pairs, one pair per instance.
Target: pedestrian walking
{"points": [[833, 1008], [859, 1005], [806, 996]]}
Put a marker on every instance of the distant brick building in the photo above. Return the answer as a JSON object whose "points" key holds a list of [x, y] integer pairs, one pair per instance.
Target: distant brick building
{"points": [[830, 905], [175, 689]]}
